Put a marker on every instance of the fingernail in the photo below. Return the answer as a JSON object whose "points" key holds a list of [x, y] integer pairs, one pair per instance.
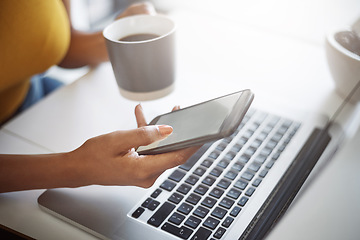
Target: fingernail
{"points": [[165, 130], [176, 107]]}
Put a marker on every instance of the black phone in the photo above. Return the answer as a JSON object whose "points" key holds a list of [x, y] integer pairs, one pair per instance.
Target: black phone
{"points": [[201, 123]]}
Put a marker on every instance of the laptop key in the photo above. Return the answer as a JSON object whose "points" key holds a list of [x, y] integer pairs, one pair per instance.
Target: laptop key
{"points": [[201, 211], [260, 158], [211, 223], [247, 176], [200, 171], [219, 212], [243, 201], [207, 163], [181, 232], [192, 179], [193, 199], [156, 193], [202, 233], [184, 188], [185, 208], [224, 163], [227, 222], [209, 180], [244, 158], [266, 151], [176, 218], [263, 173], [241, 184], [146, 203], [219, 232], [231, 175], [223, 183], [192, 222], [177, 175], [238, 166], [138, 212], [201, 189], [254, 167], [226, 202], [249, 192], [161, 214], [256, 182], [237, 147], [208, 202], [216, 192], [214, 154], [235, 211], [230, 155], [276, 155], [269, 164], [216, 172], [153, 205], [176, 198], [221, 146], [233, 193], [168, 185]]}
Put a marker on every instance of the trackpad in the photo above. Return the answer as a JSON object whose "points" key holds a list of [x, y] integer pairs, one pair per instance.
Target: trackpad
{"points": [[96, 209]]}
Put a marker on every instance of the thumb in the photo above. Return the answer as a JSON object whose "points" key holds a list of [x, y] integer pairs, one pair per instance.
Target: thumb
{"points": [[146, 135]]}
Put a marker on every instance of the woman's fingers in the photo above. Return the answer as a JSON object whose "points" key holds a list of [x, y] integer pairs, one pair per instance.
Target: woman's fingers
{"points": [[177, 107], [139, 115], [138, 8], [142, 136]]}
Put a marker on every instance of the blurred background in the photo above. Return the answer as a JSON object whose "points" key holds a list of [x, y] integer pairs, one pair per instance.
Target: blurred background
{"points": [[306, 21]]}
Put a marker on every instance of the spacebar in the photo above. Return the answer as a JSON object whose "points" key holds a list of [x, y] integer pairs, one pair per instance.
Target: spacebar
{"points": [[161, 214]]}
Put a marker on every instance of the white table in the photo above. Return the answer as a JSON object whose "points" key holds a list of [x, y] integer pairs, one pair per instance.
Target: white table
{"points": [[222, 47]]}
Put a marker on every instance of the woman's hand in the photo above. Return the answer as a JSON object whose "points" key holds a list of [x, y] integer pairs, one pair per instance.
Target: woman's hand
{"points": [[138, 8], [111, 159], [88, 48]]}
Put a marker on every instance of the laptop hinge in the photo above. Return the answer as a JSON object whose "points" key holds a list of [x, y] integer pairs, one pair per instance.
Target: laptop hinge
{"points": [[285, 191]]}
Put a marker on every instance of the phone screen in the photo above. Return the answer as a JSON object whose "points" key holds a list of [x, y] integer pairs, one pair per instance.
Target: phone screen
{"points": [[195, 121]]}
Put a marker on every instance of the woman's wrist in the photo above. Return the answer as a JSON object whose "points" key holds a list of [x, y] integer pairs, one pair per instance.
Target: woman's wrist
{"points": [[76, 169]]}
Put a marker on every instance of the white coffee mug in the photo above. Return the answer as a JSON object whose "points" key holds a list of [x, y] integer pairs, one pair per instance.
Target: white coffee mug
{"points": [[343, 55]]}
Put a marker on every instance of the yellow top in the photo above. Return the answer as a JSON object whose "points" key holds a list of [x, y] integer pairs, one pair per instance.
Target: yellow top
{"points": [[34, 35]]}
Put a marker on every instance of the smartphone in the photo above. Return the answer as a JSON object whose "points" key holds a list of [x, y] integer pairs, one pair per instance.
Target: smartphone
{"points": [[201, 123]]}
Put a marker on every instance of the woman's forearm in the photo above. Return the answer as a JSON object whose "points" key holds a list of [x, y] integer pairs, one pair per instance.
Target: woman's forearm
{"points": [[23, 172], [85, 49]]}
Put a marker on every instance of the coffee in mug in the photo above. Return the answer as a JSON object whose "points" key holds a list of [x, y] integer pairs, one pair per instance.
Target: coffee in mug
{"points": [[138, 37]]}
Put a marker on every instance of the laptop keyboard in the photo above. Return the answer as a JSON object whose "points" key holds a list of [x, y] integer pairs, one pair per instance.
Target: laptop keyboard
{"points": [[201, 198]]}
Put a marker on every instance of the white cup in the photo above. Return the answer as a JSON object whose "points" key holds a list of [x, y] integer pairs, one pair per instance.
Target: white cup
{"points": [[343, 56], [145, 68]]}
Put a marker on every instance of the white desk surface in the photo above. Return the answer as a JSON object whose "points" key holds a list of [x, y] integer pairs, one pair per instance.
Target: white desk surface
{"points": [[273, 47]]}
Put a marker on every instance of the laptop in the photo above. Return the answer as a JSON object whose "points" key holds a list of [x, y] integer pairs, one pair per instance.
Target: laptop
{"points": [[234, 188]]}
